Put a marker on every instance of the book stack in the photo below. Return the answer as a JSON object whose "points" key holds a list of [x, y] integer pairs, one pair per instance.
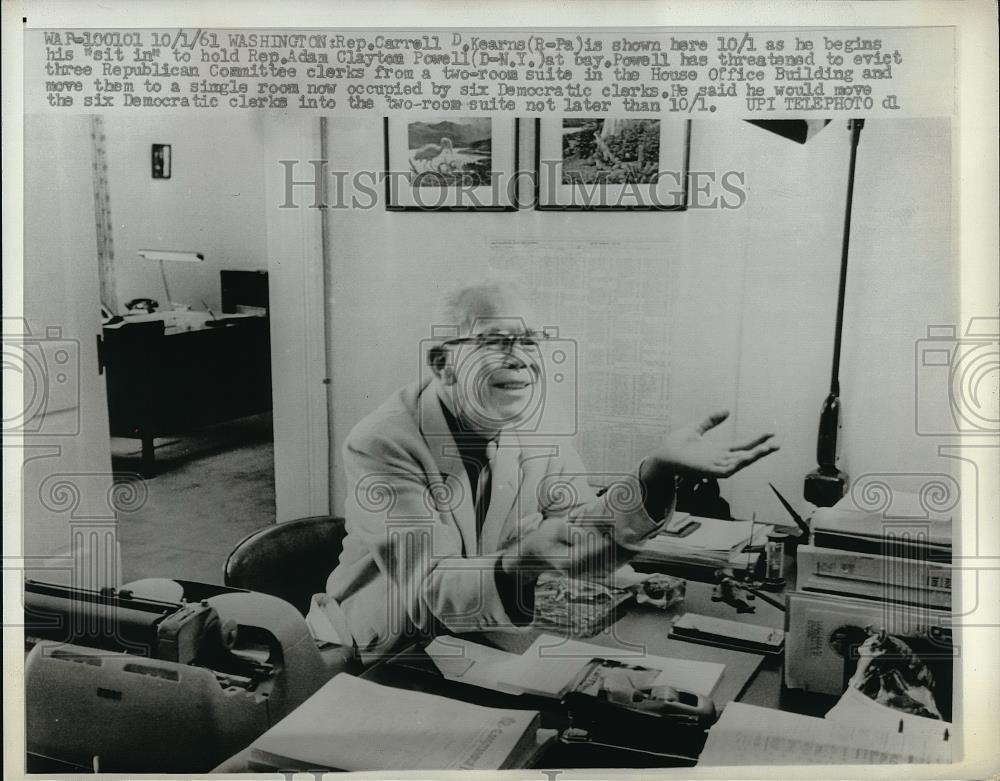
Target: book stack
{"points": [[703, 545], [906, 560], [352, 724], [916, 533], [870, 569]]}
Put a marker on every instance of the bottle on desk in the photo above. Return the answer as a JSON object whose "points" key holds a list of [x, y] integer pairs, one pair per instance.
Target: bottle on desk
{"points": [[774, 561]]}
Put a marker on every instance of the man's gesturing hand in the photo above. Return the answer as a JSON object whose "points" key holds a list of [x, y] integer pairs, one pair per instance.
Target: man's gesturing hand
{"points": [[559, 544], [688, 451]]}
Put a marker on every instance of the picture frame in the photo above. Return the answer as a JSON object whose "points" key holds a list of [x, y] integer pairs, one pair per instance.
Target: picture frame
{"points": [[451, 163], [612, 164]]}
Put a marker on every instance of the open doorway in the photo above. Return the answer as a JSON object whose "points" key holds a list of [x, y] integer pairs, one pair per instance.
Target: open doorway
{"points": [[186, 336], [88, 214]]}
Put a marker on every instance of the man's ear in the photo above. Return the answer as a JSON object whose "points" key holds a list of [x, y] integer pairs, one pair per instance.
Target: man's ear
{"points": [[437, 359]]}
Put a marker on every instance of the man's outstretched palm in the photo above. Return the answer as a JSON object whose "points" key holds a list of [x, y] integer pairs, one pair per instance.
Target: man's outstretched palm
{"points": [[688, 451]]}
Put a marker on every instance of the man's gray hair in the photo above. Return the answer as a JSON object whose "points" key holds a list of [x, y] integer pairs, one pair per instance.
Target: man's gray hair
{"points": [[491, 297]]}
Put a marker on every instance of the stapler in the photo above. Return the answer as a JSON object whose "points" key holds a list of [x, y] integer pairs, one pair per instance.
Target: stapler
{"points": [[128, 682]]}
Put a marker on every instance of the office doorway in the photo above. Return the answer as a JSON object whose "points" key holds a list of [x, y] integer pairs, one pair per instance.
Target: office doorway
{"points": [[186, 332], [201, 209]]}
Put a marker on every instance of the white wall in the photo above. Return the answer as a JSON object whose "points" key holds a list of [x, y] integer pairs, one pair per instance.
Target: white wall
{"points": [[213, 203], [902, 277], [67, 464], [754, 289]]}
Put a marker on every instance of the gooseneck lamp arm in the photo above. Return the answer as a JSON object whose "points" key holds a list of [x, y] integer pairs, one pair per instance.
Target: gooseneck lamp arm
{"points": [[856, 125], [162, 255], [168, 302], [825, 486]]}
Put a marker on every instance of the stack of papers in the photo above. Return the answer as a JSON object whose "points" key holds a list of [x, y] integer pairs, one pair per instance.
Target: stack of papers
{"points": [[713, 544], [352, 724], [749, 735], [855, 707]]}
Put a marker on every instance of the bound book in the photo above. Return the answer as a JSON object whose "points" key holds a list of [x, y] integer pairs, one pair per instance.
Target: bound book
{"points": [[823, 628], [872, 576], [352, 724], [917, 534]]}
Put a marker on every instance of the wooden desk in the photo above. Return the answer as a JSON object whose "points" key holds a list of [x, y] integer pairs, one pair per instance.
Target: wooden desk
{"points": [[170, 383], [638, 626]]}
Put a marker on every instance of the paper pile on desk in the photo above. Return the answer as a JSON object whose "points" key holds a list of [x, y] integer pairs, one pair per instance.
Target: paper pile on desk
{"points": [[749, 735], [352, 724], [856, 708], [713, 544]]}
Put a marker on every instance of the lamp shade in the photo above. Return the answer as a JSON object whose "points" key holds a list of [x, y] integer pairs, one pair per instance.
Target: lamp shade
{"points": [[171, 254], [797, 130]]}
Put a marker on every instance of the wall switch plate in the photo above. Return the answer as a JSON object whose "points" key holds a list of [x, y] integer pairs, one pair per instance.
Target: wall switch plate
{"points": [[161, 161]]}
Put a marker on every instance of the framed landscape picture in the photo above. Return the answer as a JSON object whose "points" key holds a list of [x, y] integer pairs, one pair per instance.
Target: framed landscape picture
{"points": [[612, 164], [451, 163]]}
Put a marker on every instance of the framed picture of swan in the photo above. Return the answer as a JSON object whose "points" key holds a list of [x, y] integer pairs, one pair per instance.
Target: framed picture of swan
{"points": [[451, 163], [612, 164]]}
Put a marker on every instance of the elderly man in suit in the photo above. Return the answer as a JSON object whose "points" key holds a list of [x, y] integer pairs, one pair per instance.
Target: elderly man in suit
{"points": [[452, 516]]}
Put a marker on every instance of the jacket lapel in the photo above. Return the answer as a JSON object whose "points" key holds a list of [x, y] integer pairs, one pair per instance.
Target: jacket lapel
{"points": [[441, 443]]}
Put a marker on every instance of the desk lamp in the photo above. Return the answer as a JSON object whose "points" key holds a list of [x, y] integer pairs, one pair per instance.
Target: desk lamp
{"points": [[826, 484], [174, 255]]}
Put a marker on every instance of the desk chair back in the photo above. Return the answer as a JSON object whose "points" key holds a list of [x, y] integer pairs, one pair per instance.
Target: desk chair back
{"points": [[290, 560]]}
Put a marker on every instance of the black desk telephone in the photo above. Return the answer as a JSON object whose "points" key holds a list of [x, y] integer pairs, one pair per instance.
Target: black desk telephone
{"points": [[142, 305], [616, 704], [612, 714]]}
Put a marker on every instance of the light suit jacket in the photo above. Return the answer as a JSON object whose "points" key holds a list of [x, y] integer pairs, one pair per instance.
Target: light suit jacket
{"points": [[413, 563]]}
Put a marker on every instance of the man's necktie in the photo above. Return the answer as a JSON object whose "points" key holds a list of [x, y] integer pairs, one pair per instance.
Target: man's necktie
{"points": [[484, 485]]}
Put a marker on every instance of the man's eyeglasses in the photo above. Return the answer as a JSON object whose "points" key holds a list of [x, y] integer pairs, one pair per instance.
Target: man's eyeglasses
{"points": [[530, 340]]}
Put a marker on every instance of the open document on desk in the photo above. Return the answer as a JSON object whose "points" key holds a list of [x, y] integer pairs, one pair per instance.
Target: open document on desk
{"points": [[749, 735], [551, 665]]}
